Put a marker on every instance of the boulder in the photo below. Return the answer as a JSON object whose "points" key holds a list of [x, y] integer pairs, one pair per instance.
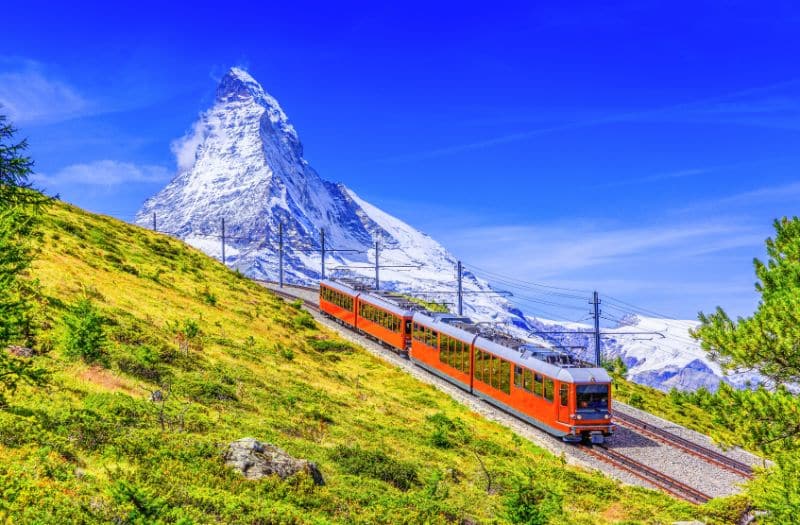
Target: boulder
{"points": [[256, 460], [20, 351]]}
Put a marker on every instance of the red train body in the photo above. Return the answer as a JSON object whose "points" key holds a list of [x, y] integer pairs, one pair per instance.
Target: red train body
{"points": [[545, 388]]}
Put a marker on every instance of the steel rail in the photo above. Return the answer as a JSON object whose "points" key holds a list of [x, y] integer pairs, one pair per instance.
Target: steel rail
{"points": [[674, 440], [648, 474]]}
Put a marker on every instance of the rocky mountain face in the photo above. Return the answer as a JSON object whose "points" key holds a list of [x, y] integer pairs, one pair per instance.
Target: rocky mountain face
{"points": [[242, 162]]}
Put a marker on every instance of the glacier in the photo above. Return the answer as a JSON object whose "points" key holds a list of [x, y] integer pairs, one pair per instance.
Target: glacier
{"points": [[242, 162]]}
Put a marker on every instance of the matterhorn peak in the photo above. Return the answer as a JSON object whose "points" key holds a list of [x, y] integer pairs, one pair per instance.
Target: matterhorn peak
{"points": [[238, 83]]}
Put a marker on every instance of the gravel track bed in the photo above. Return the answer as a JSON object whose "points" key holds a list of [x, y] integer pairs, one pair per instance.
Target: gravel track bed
{"points": [[687, 468], [684, 467], [693, 436]]}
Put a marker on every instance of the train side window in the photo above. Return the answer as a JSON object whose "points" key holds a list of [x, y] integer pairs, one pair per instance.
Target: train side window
{"points": [[563, 394], [537, 384], [505, 376], [527, 380], [549, 389], [518, 376], [496, 371]]}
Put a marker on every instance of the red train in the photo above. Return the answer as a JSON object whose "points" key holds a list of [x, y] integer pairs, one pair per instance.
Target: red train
{"points": [[549, 389]]}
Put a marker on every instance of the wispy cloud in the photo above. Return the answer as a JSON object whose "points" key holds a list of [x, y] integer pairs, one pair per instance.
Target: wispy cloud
{"points": [[29, 95], [774, 194], [716, 102], [104, 173], [674, 268], [554, 251]]}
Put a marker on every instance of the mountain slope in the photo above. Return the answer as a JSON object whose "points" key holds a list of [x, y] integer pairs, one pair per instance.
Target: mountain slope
{"points": [[93, 447]]}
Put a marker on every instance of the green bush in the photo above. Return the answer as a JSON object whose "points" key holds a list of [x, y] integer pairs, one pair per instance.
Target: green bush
{"points": [[83, 335], [531, 502], [208, 297], [142, 362], [330, 345], [447, 432], [303, 319], [636, 400], [375, 464]]}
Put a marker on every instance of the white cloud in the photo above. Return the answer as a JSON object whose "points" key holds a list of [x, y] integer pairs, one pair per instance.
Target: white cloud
{"points": [[105, 173], [28, 95], [185, 148], [554, 251]]}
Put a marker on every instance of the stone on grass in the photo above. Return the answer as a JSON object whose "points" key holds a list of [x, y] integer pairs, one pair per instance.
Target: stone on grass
{"points": [[256, 460]]}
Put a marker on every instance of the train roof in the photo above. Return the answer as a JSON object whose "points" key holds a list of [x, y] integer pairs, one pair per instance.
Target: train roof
{"points": [[390, 301], [515, 350], [382, 302], [342, 287]]}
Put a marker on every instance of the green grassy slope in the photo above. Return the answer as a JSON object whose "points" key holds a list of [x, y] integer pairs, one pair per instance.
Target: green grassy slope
{"points": [[91, 447]]}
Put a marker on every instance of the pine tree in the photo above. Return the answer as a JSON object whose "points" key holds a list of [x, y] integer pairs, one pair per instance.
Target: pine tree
{"points": [[768, 418], [19, 204]]}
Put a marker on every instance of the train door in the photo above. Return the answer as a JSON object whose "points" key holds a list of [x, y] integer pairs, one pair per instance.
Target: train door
{"points": [[563, 403]]}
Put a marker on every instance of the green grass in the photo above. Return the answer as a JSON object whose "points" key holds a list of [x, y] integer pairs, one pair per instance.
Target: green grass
{"points": [[231, 360]]}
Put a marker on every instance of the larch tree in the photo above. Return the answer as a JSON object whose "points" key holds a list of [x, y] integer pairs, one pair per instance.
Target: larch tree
{"points": [[766, 419], [19, 204]]}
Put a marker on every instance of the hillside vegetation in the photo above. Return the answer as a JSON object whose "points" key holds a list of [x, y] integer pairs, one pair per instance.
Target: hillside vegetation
{"points": [[158, 356]]}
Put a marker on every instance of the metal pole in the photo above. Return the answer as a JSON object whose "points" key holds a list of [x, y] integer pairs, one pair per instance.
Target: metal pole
{"points": [[280, 253], [596, 302], [460, 292], [223, 240], [377, 267], [155, 229], [322, 242]]}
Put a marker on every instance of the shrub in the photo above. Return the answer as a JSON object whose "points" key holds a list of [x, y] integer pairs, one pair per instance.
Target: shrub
{"points": [[83, 335], [303, 319], [636, 400], [532, 503], [330, 345], [286, 353], [447, 433], [142, 362], [375, 464], [208, 297]]}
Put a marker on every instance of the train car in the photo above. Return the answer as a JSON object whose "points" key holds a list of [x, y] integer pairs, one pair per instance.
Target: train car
{"points": [[383, 319], [441, 345], [339, 301], [547, 389]]}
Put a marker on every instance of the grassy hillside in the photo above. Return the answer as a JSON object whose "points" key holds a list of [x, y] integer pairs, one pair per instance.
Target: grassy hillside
{"points": [[231, 360]]}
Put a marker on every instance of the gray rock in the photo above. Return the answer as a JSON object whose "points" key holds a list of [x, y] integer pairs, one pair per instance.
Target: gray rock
{"points": [[20, 351], [256, 460]]}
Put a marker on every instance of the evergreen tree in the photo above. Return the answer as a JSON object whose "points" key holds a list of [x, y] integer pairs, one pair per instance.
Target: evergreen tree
{"points": [[17, 209], [19, 204], [768, 418]]}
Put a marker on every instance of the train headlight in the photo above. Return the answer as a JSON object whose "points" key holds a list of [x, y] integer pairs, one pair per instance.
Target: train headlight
{"points": [[579, 416], [607, 416]]}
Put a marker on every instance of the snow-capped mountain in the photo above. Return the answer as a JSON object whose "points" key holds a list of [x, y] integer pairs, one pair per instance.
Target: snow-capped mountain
{"points": [[242, 162], [657, 352]]}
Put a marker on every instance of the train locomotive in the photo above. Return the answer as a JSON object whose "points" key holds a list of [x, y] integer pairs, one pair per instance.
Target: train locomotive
{"points": [[549, 389]]}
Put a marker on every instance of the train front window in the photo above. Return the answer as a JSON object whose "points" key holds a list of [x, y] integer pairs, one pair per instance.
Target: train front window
{"points": [[592, 397]]}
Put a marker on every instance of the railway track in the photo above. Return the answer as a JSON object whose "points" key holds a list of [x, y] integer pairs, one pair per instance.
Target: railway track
{"points": [[648, 474], [690, 447], [617, 459]]}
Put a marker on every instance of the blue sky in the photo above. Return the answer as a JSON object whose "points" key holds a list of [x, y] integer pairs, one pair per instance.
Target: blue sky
{"points": [[640, 148]]}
